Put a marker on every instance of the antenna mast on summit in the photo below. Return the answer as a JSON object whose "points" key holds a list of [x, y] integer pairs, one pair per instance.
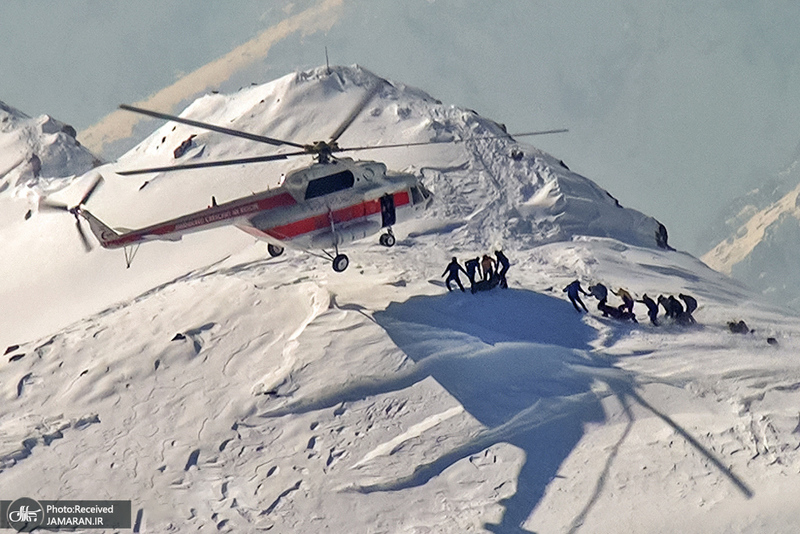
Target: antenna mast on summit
{"points": [[327, 65]]}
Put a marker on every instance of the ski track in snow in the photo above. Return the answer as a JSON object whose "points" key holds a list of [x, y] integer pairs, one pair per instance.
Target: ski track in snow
{"points": [[415, 431]]}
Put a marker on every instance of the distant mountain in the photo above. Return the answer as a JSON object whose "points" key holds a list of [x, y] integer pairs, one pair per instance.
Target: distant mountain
{"points": [[759, 235], [34, 149]]}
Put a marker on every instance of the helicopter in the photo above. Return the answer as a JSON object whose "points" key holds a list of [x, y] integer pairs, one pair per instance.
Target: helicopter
{"points": [[333, 201]]}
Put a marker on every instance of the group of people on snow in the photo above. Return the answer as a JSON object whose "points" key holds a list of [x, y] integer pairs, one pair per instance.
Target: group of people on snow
{"points": [[624, 312], [486, 273], [483, 273]]}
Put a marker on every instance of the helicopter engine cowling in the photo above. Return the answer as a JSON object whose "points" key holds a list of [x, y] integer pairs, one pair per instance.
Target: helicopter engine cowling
{"points": [[345, 233]]}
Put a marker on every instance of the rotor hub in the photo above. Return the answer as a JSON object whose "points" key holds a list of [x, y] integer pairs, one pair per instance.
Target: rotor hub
{"points": [[323, 150]]}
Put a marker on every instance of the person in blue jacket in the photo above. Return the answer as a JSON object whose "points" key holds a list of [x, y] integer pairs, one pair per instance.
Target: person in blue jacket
{"points": [[452, 274], [572, 291]]}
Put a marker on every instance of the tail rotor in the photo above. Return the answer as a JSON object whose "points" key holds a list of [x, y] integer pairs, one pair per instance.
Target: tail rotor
{"points": [[76, 211]]}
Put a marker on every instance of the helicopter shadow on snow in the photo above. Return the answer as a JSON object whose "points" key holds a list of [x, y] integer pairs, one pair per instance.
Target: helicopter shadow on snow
{"points": [[522, 364], [519, 362]]}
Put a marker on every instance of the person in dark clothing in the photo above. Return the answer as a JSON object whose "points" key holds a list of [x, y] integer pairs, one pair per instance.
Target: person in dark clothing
{"points": [[452, 274], [691, 306], [487, 265], [473, 268], [620, 313], [674, 310], [676, 306], [572, 291], [652, 308], [599, 291], [663, 301], [503, 265], [690, 301]]}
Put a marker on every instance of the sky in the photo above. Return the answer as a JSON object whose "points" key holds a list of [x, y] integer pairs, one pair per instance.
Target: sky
{"points": [[675, 108]]}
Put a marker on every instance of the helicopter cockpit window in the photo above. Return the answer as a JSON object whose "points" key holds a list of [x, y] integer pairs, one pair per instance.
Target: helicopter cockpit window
{"points": [[416, 196], [329, 184]]}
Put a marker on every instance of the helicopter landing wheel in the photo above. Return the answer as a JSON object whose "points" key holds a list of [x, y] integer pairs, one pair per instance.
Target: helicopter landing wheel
{"points": [[340, 263], [387, 240], [274, 250]]}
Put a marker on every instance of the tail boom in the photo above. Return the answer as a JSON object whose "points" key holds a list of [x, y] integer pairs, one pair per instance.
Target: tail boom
{"points": [[108, 237]]}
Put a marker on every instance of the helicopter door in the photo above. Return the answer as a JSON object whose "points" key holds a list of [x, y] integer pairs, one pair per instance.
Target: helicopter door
{"points": [[388, 214]]}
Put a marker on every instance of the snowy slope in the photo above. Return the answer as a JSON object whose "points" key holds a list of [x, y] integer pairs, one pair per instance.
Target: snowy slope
{"points": [[221, 390]]}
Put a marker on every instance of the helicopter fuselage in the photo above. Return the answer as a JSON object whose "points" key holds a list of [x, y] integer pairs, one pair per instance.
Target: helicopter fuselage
{"points": [[320, 206]]}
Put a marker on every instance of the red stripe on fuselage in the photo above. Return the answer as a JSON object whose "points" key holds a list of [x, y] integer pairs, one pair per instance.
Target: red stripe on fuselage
{"points": [[284, 199], [318, 222]]}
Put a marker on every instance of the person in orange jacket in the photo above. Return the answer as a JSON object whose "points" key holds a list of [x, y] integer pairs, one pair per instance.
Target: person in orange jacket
{"points": [[487, 266]]}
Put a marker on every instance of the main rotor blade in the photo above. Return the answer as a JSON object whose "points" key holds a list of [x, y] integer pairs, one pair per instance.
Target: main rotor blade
{"points": [[355, 113], [52, 206], [205, 164], [423, 143], [212, 127], [90, 192], [541, 132]]}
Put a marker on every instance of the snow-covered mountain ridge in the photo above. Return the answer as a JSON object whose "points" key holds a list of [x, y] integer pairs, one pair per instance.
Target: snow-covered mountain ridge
{"points": [[222, 390], [257, 394], [533, 196], [38, 148]]}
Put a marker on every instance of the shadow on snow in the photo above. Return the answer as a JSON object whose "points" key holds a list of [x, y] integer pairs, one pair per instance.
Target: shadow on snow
{"points": [[517, 361]]}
